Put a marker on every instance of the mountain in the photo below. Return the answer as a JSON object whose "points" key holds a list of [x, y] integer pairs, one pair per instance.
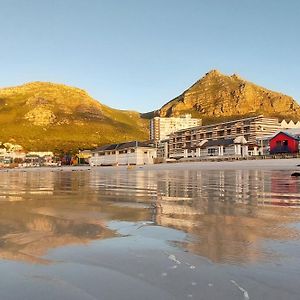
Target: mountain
{"points": [[48, 116], [217, 97], [56, 117]]}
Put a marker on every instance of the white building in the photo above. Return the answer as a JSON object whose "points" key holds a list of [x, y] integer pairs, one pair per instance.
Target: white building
{"points": [[7, 157], [160, 128], [291, 124], [130, 153]]}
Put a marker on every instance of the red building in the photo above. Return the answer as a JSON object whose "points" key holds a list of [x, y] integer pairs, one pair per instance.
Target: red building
{"points": [[284, 142]]}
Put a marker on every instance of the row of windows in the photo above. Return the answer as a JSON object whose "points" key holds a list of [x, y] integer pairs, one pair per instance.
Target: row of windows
{"points": [[219, 133], [114, 152]]}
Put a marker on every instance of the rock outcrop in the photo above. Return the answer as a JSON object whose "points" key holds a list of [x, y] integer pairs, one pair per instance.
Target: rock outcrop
{"points": [[217, 96]]}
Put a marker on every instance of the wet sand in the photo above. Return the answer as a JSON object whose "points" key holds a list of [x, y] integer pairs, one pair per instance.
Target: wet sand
{"points": [[175, 231], [271, 164]]}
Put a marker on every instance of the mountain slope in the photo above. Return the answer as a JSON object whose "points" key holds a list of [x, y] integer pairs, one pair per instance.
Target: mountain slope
{"points": [[48, 116], [217, 96]]}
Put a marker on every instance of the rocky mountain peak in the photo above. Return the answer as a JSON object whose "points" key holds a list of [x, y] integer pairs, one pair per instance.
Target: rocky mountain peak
{"points": [[217, 97]]}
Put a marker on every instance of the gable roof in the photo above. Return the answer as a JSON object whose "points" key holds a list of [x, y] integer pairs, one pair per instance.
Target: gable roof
{"points": [[287, 134], [120, 146], [211, 143]]}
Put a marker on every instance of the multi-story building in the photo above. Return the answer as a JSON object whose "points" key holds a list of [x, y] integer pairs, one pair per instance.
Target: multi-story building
{"points": [[161, 128], [239, 137]]}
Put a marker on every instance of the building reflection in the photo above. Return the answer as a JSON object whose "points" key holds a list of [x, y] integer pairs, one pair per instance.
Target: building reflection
{"points": [[229, 215]]}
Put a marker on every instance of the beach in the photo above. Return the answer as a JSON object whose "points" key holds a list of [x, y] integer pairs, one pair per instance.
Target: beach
{"points": [[271, 164], [213, 230]]}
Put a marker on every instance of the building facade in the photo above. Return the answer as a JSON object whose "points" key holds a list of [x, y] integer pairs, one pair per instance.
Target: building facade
{"points": [[283, 142], [130, 153], [161, 128], [241, 137]]}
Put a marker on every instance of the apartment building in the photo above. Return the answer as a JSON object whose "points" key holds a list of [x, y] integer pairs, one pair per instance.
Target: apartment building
{"points": [[239, 137], [161, 128]]}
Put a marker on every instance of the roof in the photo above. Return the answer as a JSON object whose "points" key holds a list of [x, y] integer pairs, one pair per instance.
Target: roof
{"points": [[219, 143], [120, 146], [222, 142], [287, 134], [240, 140]]}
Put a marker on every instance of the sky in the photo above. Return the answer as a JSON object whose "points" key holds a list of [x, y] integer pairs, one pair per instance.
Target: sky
{"points": [[139, 54]]}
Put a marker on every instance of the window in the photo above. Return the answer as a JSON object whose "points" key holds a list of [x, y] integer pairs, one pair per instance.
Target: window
{"points": [[132, 150], [228, 131], [247, 129], [221, 133], [211, 151], [285, 143], [238, 130], [278, 143]]}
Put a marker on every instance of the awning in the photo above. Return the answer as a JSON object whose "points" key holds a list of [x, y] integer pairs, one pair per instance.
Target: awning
{"points": [[240, 140], [202, 143]]}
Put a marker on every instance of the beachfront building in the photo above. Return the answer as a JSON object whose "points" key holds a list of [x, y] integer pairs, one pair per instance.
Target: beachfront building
{"points": [[39, 158], [129, 153], [161, 128], [283, 142], [9, 157], [82, 157], [241, 137]]}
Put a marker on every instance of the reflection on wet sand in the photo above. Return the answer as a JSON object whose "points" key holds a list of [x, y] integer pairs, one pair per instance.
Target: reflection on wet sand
{"points": [[229, 215], [28, 231], [231, 220]]}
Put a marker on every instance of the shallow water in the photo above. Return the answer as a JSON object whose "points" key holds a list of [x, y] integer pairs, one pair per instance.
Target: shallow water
{"points": [[149, 234]]}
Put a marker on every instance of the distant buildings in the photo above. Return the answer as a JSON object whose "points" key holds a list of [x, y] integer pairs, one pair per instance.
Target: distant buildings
{"points": [[161, 128], [236, 138], [241, 137], [232, 138], [129, 153], [15, 156], [250, 136]]}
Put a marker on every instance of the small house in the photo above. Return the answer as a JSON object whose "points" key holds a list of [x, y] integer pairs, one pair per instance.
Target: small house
{"points": [[284, 142]]}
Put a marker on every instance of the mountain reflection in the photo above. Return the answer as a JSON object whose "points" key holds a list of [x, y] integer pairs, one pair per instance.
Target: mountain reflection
{"points": [[230, 215]]}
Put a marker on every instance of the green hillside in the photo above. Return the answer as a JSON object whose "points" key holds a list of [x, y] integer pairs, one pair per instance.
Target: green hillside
{"points": [[48, 116]]}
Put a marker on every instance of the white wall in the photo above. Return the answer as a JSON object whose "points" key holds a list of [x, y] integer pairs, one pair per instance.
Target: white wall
{"points": [[141, 156], [232, 150]]}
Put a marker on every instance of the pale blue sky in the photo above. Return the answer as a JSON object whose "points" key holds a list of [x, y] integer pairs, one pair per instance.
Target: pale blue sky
{"points": [[138, 54]]}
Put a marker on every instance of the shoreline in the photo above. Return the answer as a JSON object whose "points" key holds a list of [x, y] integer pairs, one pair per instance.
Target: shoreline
{"points": [[272, 164]]}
